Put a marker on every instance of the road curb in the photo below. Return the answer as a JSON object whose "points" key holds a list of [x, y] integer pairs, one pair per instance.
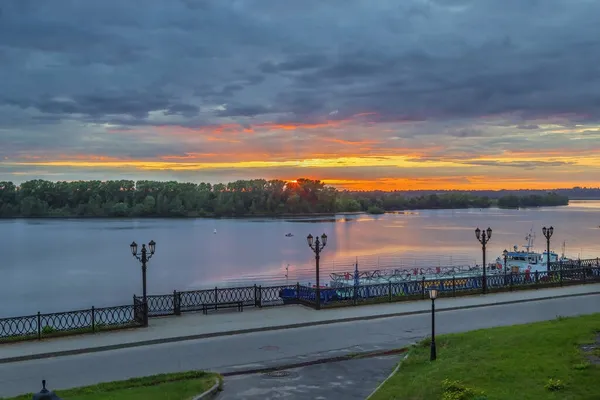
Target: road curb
{"points": [[394, 372], [210, 392], [326, 360], [270, 328]]}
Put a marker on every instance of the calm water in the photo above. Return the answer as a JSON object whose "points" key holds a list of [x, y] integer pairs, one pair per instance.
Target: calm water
{"points": [[54, 265]]}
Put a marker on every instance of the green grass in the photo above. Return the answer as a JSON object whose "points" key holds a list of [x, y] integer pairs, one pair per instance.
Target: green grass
{"points": [[178, 386], [516, 362]]}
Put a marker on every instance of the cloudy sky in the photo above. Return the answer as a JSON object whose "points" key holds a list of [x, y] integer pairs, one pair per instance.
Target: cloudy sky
{"points": [[377, 93]]}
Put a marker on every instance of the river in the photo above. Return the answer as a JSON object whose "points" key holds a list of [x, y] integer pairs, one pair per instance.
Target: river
{"points": [[52, 265]]}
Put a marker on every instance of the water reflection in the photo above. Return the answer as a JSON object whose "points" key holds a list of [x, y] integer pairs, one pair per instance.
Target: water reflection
{"points": [[49, 265]]}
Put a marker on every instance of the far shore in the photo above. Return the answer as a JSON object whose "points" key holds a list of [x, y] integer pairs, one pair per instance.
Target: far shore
{"points": [[264, 216]]}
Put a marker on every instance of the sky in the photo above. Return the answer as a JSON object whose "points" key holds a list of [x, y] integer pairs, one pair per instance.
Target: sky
{"points": [[373, 94]]}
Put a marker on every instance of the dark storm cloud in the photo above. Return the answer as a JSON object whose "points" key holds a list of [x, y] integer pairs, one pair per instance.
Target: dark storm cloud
{"points": [[209, 62]]}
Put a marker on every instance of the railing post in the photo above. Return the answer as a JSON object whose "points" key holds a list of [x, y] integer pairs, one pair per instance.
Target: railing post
{"points": [[297, 291], [176, 303], [511, 281], [423, 288], [537, 279], [255, 296], [216, 297], [453, 286], [390, 291], [94, 320], [259, 296], [135, 311], [145, 306], [560, 272], [39, 326]]}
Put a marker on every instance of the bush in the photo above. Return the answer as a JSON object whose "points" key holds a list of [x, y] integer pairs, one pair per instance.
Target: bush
{"points": [[554, 385], [455, 390], [581, 366], [375, 210], [46, 330]]}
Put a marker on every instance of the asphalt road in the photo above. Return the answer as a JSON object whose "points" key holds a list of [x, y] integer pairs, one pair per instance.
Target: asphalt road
{"points": [[231, 353], [348, 380]]}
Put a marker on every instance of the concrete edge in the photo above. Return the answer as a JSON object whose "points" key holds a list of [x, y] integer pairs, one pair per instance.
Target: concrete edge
{"points": [[270, 328], [326, 360], [394, 372], [210, 392]]}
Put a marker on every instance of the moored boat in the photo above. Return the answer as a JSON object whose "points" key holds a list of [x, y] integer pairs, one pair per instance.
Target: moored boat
{"points": [[525, 259]]}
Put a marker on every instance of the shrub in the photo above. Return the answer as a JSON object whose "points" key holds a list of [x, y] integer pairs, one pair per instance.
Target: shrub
{"points": [[46, 330], [375, 210], [554, 385], [581, 366], [455, 390]]}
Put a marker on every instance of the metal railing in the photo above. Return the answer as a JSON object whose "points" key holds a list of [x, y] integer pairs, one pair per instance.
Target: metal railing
{"points": [[40, 326], [393, 290]]}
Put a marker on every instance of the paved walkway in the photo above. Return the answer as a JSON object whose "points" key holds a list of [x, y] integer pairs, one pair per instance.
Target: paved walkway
{"points": [[225, 322]]}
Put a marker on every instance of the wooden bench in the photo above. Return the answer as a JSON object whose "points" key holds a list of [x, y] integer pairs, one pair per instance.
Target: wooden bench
{"points": [[229, 304]]}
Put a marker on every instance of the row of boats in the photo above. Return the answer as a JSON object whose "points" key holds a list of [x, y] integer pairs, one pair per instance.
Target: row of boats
{"points": [[520, 265], [518, 260]]}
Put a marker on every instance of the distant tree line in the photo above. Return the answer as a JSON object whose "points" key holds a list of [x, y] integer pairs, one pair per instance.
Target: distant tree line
{"points": [[260, 197], [534, 200]]}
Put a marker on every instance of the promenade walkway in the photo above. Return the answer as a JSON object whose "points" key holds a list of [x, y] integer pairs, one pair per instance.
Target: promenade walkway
{"points": [[224, 322]]}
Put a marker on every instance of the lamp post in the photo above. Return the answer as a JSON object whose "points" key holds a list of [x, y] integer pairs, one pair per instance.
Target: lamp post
{"points": [[548, 234], [433, 292], [143, 257], [317, 246], [505, 255], [484, 237]]}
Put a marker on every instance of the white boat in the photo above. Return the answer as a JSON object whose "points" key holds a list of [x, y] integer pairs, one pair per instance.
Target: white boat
{"points": [[525, 259]]}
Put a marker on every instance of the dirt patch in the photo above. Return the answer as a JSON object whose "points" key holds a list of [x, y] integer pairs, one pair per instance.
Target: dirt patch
{"points": [[592, 351]]}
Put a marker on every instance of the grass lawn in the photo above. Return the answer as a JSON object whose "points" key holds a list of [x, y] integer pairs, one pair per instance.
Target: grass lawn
{"points": [[515, 362], [179, 386]]}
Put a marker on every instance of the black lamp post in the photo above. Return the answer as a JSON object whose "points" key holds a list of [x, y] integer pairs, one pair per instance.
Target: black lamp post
{"points": [[45, 394], [505, 255], [317, 246], [143, 257], [433, 292], [548, 234], [484, 237]]}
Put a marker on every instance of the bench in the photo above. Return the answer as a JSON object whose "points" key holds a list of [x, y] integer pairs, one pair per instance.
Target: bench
{"points": [[229, 304]]}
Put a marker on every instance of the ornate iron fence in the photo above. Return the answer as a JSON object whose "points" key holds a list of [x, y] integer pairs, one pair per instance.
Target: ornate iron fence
{"points": [[40, 326], [574, 264], [341, 295]]}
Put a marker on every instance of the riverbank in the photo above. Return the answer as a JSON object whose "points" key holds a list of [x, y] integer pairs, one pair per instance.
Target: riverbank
{"points": [[184, 385], [557, 359], [282, 216]]}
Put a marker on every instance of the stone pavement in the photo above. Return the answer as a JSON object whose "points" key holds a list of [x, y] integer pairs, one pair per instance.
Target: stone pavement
{"points": [[196, 326]]}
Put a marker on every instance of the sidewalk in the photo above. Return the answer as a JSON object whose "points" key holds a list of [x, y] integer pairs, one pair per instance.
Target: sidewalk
{"points": [[195, 325]]}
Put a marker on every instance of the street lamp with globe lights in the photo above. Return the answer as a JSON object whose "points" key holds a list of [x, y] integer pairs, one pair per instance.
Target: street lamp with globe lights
{"points": [[317, 246], [433, 293], [484, 237], [143, 257], [548, 234]]}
